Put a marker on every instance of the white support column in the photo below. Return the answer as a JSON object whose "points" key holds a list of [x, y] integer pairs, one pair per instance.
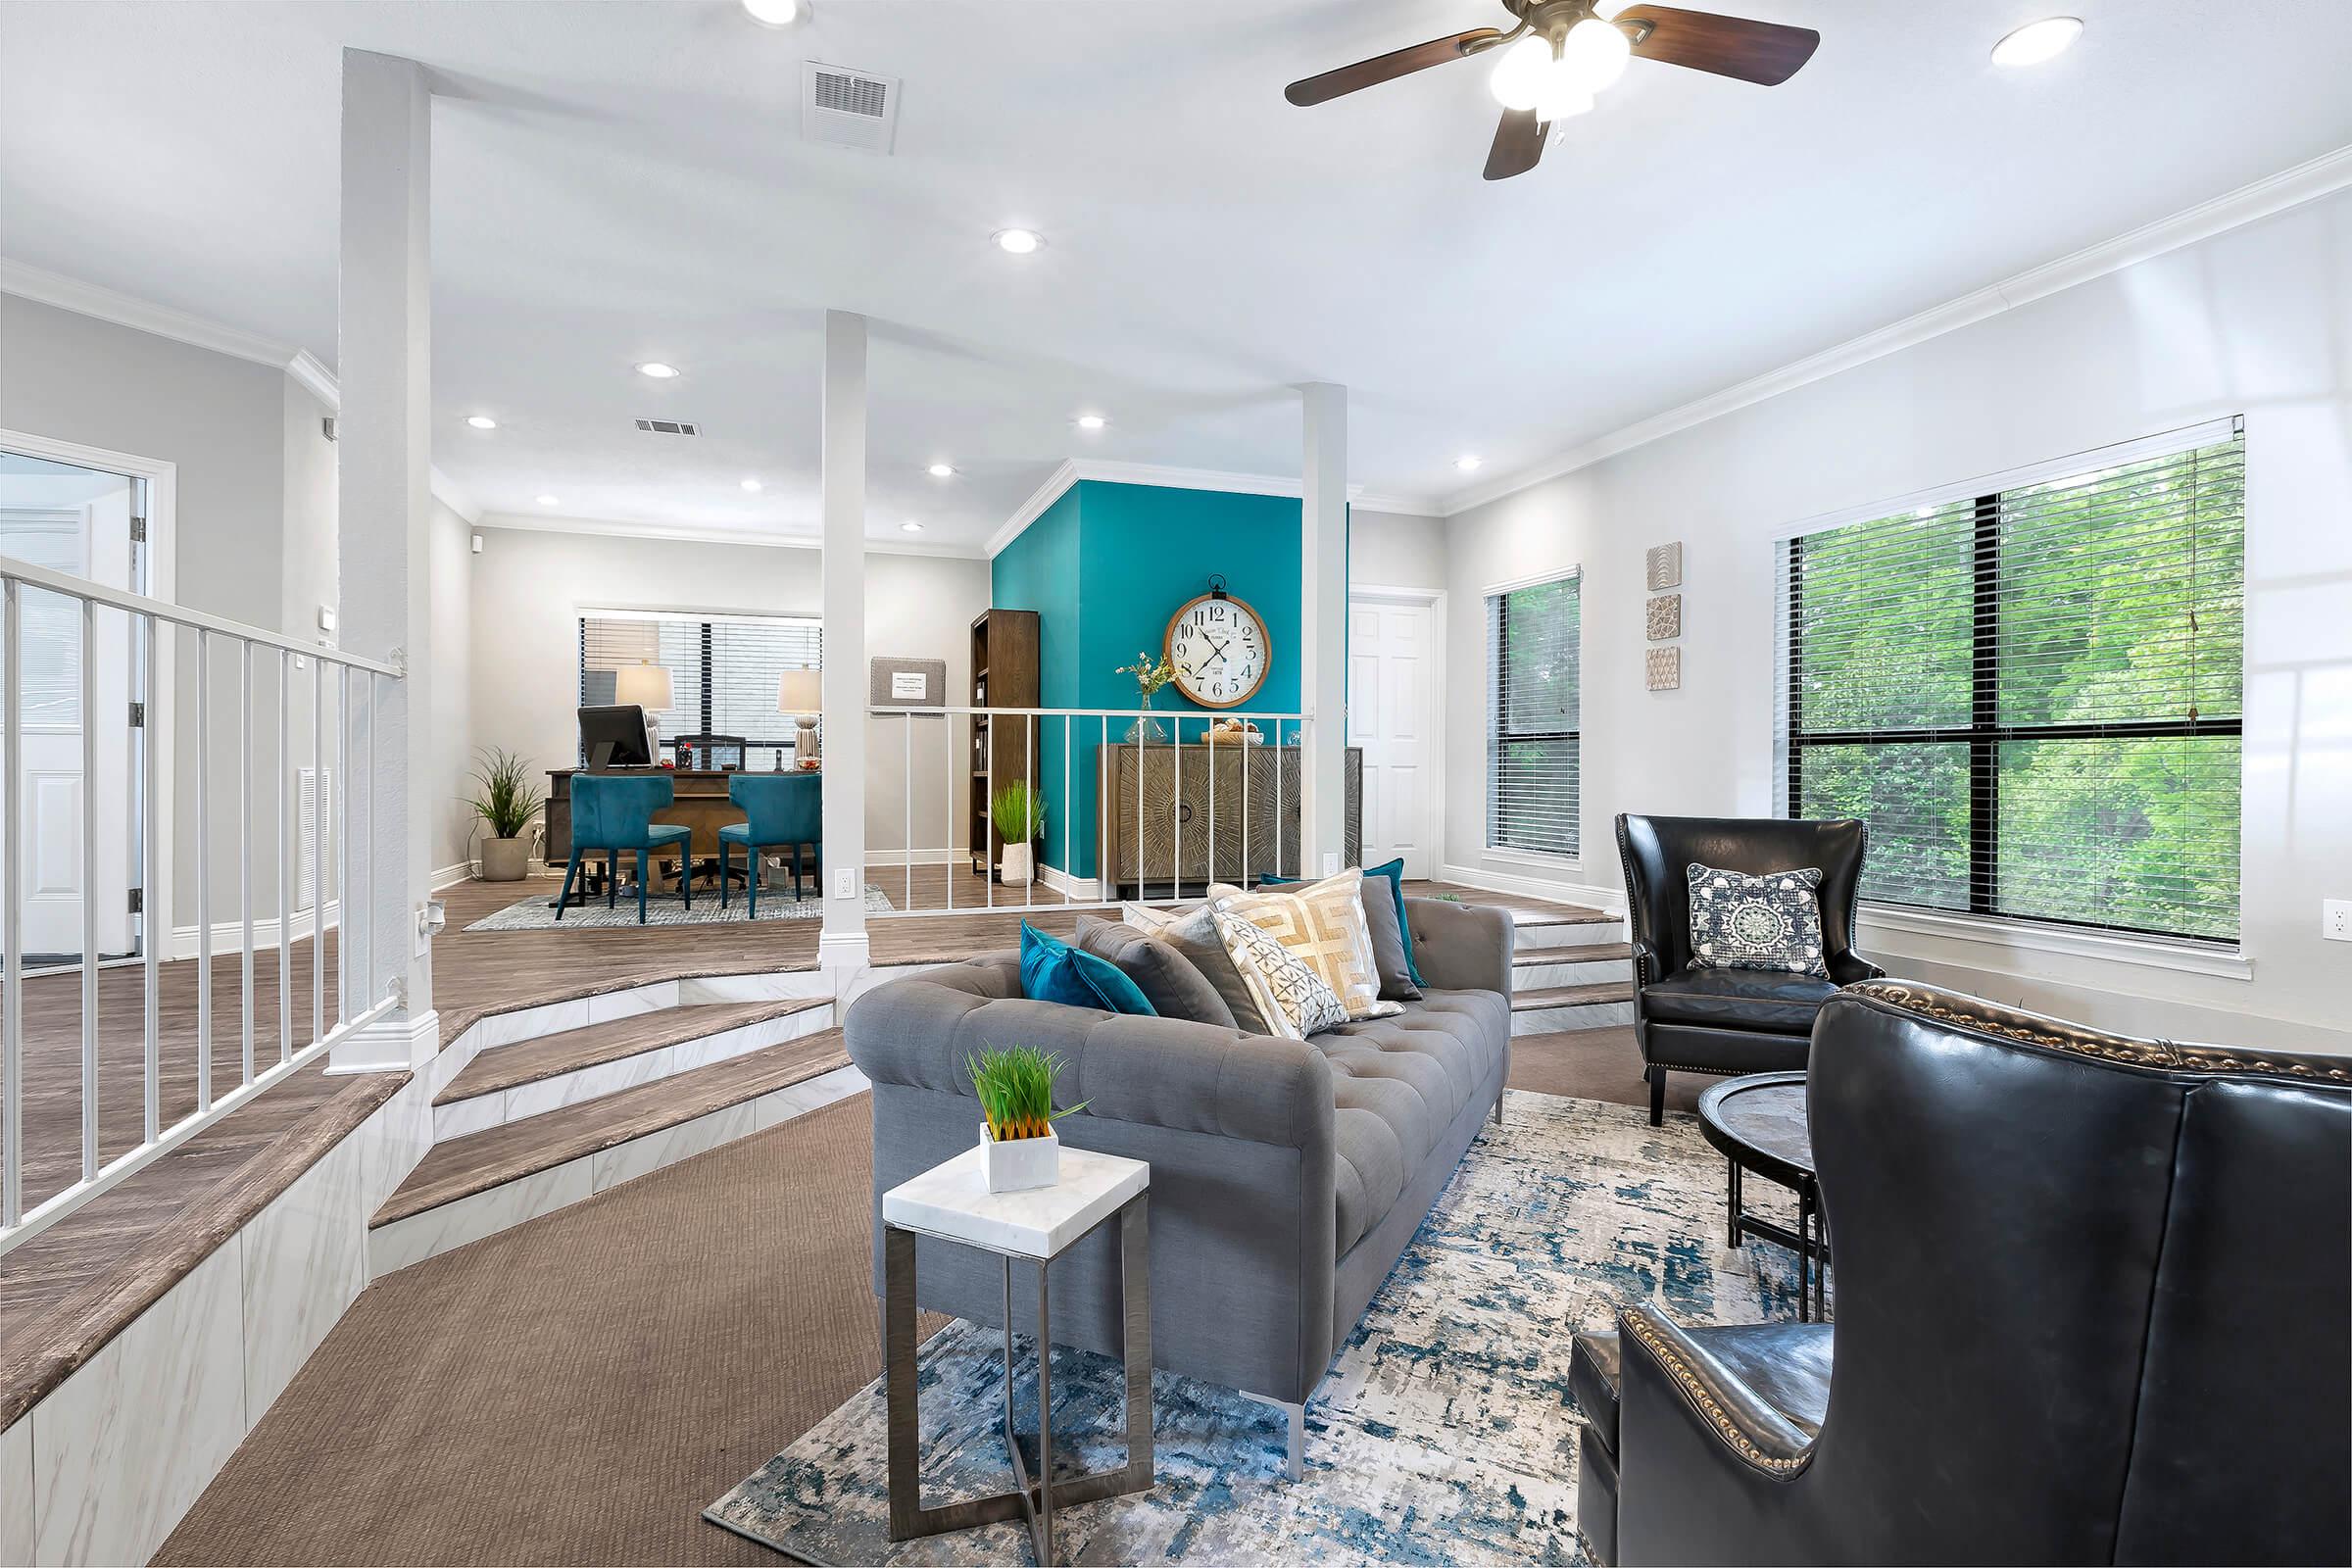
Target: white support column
{"points": [[843, 478], [1323, 640], [384, 489]]}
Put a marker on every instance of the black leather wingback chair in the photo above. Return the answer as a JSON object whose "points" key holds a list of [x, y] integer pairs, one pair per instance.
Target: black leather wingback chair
{"points": [[1731, 1021], [2094, 1305]]}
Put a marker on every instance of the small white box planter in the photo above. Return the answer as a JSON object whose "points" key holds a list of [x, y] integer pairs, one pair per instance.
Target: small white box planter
{"points": [[1021, 1163]]}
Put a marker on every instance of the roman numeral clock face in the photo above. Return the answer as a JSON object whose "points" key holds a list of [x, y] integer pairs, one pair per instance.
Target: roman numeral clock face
{"points": [[1220, 651]]}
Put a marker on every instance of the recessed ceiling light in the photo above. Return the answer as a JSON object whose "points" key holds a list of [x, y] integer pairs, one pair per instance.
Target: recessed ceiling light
{"points": [[942, 471], [772, 12], [2037, 41], [481, 421], [1019, 241], [910, 527], [753, 485], [548, 501], [1468, 461], [1092, 422], [658, 370]]}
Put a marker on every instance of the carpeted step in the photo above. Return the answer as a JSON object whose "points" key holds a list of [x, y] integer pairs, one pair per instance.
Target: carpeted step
{"points": [[1551, 1008], [543, 1073], [478, 1184]]}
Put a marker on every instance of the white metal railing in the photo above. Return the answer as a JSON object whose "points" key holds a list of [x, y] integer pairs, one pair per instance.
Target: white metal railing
{"points": [[970, 744], [153, 620]]}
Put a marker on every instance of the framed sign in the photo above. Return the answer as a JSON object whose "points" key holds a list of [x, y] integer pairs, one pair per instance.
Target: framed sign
{"points": [[908, 683]]}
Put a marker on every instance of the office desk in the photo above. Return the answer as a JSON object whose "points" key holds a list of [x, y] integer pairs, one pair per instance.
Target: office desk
{"points": [[700, 803]]}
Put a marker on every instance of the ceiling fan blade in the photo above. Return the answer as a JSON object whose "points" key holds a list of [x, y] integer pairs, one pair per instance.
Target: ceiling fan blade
{"points": [[1518, 144], [1762, 52], [1383, 68]]}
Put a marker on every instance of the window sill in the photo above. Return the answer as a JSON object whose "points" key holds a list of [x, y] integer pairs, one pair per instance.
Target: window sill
{"points": [[1539, 858], [2152, 953]]}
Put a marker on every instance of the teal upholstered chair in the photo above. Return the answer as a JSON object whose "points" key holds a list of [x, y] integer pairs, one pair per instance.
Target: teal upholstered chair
{"points": [[615, 813], [779, 810]]}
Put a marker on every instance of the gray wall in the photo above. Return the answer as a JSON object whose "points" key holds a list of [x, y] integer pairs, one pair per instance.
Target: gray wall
{"points": [[1391, 550], [448, 576], [2252, 322], [528, 588], [224, 421]]}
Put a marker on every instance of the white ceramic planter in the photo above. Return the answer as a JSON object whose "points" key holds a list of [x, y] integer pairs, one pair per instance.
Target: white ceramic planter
{"points": [[1016, 866], [1022, 1163]]}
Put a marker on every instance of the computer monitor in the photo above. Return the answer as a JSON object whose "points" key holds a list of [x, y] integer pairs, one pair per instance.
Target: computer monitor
{"points": [[615, 737]]}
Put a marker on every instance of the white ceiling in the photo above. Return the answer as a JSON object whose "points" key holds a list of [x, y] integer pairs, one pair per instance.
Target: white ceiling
{"points": [[621, 181]]}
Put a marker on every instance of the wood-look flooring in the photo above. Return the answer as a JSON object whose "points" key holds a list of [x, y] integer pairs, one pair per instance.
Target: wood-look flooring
{"points": [[64, 1293]]}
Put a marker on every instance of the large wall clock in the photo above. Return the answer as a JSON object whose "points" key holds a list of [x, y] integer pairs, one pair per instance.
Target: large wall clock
{"points": [[1219, 648]]}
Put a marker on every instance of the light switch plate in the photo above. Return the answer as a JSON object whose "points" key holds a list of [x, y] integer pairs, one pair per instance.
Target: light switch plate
{"points": [[845, 885], [326, 617], [1331, 862], [2335, 919]]}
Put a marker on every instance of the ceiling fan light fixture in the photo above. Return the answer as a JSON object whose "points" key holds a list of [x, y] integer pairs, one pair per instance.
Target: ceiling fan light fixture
{"points": [[2037, 41], [1518, 78], [1593, 55], [773, 13]]}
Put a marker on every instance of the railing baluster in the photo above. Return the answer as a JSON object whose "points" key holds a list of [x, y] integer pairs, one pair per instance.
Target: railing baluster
{"points": [[1176, 810], [1143, 866], [155, 922], [204, 870], [1208, 756], [286, 875], [89, 890], [909, 838], [988, 818], [343, 845], [319, 813], [1029, 786], [960, 784], [12, 927], [245, 854], [1069, 867], [368, 853]]}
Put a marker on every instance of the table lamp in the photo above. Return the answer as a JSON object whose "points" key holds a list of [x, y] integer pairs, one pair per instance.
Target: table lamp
{"points": [[648, 686], [800, 692]]}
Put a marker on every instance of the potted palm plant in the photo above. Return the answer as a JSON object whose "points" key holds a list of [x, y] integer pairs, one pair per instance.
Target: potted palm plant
{"points": [[505, 803], [1019, 815], [1016, 1100]]}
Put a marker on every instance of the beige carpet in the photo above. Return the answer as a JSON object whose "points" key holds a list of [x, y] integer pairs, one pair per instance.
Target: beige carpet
{"points": [[576, 1390]]}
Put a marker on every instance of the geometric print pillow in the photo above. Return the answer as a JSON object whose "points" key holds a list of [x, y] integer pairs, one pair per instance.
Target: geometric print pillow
{"points": [[1322, 925], [1292, 997], [1772, 921]]}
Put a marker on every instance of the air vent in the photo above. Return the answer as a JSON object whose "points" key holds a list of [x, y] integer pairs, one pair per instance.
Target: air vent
{"points": [[844, 108], [668, 428]]}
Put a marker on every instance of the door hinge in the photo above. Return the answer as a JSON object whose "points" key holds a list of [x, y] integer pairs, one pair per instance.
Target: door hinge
{"points": [[138, 530], [139, 715], [138, 901]]}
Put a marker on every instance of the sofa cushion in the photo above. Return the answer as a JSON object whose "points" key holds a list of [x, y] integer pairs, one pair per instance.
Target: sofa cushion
{"points": [[1383, 895], [1171, 981], [1321, 924], [1737, 998], [1292, 997], [1051, 970], [1193, 933]]}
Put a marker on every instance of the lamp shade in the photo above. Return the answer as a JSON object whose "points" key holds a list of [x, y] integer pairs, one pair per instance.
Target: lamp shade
{"points": [[646, 685], [801, 691]]}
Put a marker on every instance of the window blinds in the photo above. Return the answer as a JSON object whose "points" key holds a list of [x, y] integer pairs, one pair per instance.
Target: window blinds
{"points": [[723, 669], [2032, 694], [1534, 746]]}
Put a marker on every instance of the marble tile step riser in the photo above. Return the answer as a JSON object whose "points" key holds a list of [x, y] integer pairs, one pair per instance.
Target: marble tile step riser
{"points": [[1593, 934], [524, 1100], [1569, 972], [435, 1231], [1555, 1020]]}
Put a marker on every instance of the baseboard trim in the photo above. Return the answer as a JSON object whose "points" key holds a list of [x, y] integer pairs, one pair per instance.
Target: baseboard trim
{"points": [[1611, 900], [1083, 889], [396, 1044]]}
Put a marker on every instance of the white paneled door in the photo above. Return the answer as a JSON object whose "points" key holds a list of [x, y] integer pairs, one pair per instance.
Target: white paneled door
{"points": [[1391, 675], [78, 521]]}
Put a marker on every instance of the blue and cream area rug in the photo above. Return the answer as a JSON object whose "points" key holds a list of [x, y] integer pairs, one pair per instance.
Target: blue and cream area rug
{"points": [[1444, 1432], [537, 912]]}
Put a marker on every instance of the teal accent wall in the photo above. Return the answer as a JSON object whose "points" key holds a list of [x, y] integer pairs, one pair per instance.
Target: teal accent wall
{"points": [[1104, 567]]}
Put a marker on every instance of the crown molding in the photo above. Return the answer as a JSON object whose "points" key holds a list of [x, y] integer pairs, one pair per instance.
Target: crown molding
{"points": [[1074, 469], [452, 495], [315, 379], [2305, 182], [123, 310], [767, 539], [1397, 505]]}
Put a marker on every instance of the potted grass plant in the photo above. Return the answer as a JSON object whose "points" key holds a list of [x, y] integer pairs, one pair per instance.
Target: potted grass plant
{"points": [[1019, 815], [1019, 1144], [505, 803]]}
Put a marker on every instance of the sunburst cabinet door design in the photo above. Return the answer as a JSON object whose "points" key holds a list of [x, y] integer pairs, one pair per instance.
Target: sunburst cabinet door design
{"points": [[1197, 835]]}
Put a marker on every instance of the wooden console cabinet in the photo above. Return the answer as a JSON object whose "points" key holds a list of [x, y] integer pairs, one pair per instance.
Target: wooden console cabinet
{"points": [[1235, 817]]}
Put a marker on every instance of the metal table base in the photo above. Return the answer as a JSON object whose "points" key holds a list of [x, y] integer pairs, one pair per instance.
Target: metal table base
{"points": [[1034, 1499]]}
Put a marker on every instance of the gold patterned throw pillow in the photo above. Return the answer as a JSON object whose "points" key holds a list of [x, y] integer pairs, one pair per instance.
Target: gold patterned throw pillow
{"points": [[1322, 925], [1291, 996]]}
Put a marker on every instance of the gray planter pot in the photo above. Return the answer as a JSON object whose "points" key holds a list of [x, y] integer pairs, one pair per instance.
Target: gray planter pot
{"points": [[506, 859]]}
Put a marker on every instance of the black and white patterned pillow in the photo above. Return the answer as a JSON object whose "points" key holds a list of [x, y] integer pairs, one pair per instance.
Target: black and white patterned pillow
{"points": [[1739, 922]]}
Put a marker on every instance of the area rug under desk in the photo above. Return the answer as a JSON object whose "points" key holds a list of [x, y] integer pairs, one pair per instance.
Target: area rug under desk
{"points": [[1444, 1432], [537, 912]]}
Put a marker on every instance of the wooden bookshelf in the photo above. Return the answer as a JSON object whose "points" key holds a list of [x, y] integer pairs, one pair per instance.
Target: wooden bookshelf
{"points": [[1004, 674]]}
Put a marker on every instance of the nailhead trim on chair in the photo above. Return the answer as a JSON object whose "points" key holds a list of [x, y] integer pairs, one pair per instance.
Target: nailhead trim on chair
{"points": [[1706, 1403], [2097, 1044]]}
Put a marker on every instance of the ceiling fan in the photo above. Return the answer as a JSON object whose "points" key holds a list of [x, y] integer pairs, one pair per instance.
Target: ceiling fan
{"points": [[1562, 52]]}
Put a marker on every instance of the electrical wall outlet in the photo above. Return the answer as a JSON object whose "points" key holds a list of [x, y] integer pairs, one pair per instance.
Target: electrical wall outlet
{"points": [[1331, 862], [845, 883], [2335, 919]]}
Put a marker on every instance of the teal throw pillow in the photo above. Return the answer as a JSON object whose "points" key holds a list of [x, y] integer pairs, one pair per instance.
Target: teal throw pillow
{"points": [[1051, 970]]}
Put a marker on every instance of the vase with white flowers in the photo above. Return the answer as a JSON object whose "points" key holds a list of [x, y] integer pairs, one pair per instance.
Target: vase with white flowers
{"points": [[1149, 677]]}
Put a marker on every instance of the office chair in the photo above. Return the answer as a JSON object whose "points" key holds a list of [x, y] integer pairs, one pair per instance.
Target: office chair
{"points": [[779, 810], [615, 813]]}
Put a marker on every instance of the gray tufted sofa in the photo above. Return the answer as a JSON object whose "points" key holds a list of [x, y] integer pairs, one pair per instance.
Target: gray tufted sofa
{"points": [[1287, 1176]]}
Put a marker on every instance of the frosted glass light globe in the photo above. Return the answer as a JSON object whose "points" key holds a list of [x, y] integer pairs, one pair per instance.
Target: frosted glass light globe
{"points": [[1595, 55], [1519, 76]]}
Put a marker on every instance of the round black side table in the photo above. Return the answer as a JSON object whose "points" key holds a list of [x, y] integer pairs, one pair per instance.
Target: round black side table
{"points": [[1758, 1122]]}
